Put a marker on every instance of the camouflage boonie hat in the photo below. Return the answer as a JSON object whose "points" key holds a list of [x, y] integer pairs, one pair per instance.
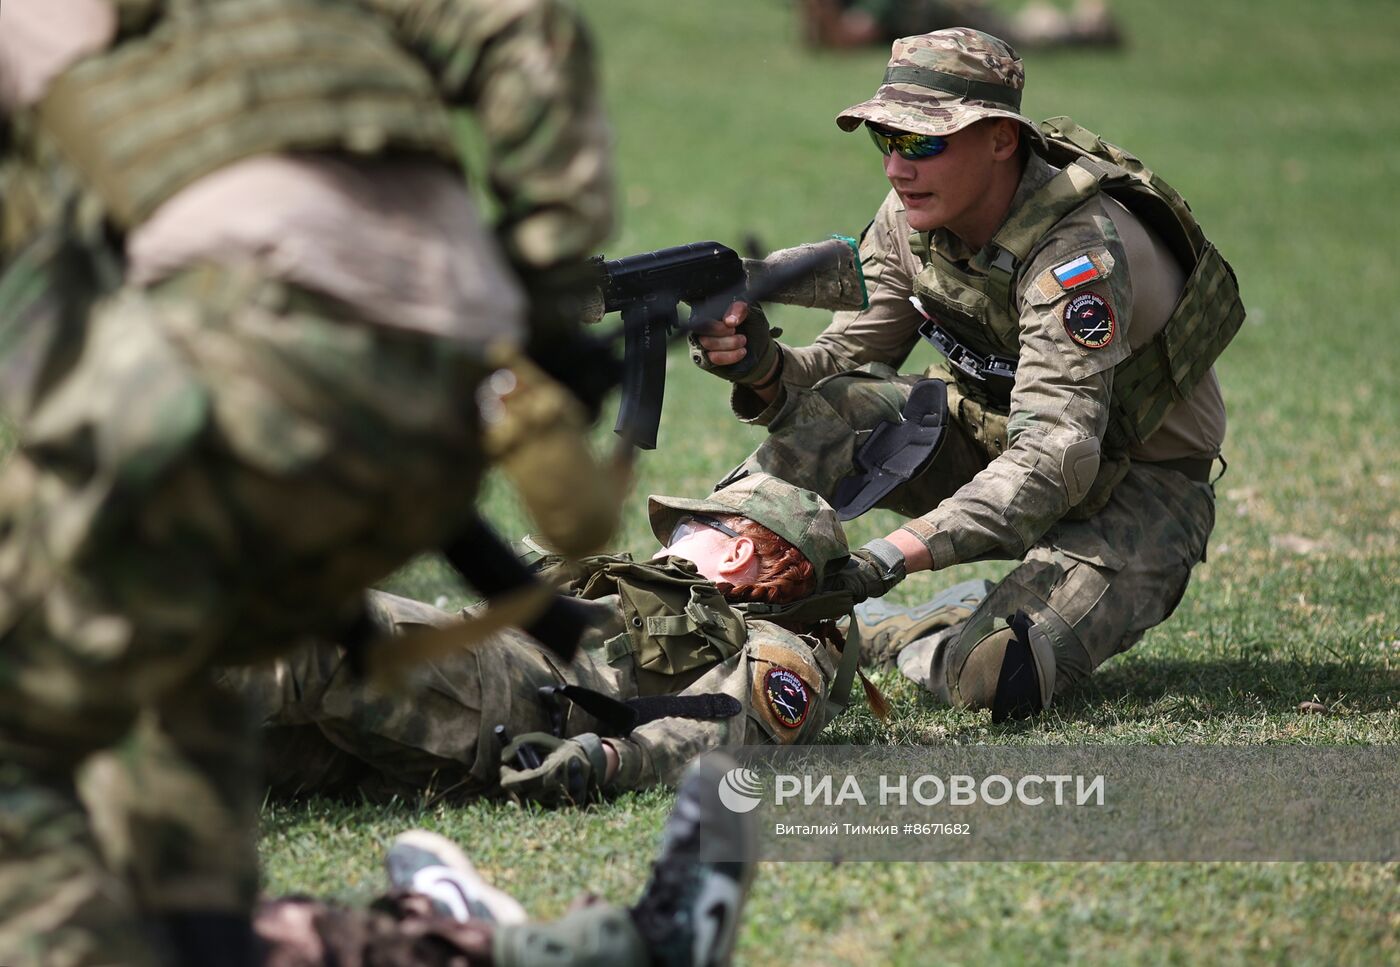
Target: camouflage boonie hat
{"points": [[941, 82], [798, 516]]}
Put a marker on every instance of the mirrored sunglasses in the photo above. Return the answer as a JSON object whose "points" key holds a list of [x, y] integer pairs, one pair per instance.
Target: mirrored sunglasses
{"points": [[910, 147]]}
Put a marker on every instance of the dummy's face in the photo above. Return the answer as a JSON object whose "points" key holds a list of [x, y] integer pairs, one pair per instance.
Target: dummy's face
{"points": [[716, 550]]}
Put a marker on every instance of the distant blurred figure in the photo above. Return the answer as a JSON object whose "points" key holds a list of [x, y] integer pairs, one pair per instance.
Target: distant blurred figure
{"points": [[844, 24]]}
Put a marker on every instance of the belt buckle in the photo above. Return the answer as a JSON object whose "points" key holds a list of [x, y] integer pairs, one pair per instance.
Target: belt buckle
{"points": [[959, 356]]}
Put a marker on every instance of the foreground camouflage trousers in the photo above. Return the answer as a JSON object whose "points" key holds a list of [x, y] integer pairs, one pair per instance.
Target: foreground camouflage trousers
{"points": [[224, 462], [327, 731], [402, 930], [1094, 586]]}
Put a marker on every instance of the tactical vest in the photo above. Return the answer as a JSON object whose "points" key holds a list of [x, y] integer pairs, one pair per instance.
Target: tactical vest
{"points": [[676, 624], [979, 307], [195, 85]]}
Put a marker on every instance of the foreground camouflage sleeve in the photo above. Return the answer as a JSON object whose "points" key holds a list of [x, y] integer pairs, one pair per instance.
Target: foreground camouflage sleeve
{"points": [[525, 70], [780, 679], [1059, 407], [887, 330]]}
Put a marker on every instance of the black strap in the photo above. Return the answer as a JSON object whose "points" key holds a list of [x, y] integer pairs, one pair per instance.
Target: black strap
{"points": [[615, 718], [707, 707], [1195, 468], [618, 718], [953, 84], [489, 565], [816, 607], [895, 452]]}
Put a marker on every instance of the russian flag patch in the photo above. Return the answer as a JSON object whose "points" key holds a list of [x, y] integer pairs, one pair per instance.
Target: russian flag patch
{"points": [[1076, 272]]}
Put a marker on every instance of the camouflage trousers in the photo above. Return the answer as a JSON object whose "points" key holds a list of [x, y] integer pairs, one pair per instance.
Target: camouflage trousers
{"points": [[217, 468], [327, 731], [402, 930], [1093, 586]]}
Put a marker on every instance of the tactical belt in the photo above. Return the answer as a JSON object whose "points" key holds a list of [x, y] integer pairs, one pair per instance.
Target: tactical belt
{"points": [[996, 373], [896, 451]]}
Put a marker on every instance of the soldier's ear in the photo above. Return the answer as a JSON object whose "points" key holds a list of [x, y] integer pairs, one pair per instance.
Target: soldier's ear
{"points": [[1006, 138]]}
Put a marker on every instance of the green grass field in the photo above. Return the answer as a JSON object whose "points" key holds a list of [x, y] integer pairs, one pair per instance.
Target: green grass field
{"points": [[1278, 121]]}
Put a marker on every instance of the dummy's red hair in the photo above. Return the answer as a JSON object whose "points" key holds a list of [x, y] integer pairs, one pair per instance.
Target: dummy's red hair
{"points": [[784, 573]]}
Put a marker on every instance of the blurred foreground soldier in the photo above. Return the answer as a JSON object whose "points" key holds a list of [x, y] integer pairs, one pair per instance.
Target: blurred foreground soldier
{"points": [[1080, 309], [716, 641], [246, 307], [1036, 26], [440, 910]]}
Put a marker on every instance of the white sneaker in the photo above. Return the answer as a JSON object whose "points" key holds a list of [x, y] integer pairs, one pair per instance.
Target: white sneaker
{"points": [[423, 862]]}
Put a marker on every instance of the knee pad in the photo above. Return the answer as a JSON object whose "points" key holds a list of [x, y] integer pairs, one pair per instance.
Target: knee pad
{"points": [[1026, 682], [1008, 667]]}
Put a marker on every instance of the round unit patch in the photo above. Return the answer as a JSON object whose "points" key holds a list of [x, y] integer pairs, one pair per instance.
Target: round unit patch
{"points": [[787, 697], [1089, 321]]}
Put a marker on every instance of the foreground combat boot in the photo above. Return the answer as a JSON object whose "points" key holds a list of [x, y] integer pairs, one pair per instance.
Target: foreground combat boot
{"points": [[433, 865], [887, 628], [688, 915]]}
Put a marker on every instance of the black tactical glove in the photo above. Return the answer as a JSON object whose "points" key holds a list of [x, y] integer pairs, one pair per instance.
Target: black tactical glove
{"points": [[871, 571], [560, 299], [572, 771], [559, 296], [760, 356]]}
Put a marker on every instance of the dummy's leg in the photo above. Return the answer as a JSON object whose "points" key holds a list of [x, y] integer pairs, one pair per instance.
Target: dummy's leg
{"points": [[328, 730]]}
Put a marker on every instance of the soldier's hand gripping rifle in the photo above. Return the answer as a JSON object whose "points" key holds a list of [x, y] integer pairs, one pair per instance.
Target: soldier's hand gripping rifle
{"points": [[649, 288]]}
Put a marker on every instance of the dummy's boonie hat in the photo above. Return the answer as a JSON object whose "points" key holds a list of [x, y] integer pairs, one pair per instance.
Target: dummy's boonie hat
{"points": [[941, 82], [798, 516]]}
